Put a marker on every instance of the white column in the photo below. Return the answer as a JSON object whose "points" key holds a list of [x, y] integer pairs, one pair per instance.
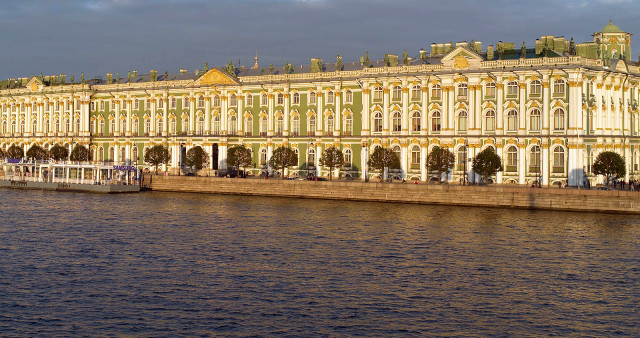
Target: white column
{"points": [[423, 159], [403, 160], [405, 109], [521, 164], [366, 113], [207, 117], [500, 151]]}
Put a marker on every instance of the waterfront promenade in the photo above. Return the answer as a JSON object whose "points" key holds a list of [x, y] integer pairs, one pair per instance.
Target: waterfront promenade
{"points": [[502, 196]]}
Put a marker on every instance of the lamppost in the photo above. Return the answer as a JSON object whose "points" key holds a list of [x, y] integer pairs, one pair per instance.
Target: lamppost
{"points": [[464, 161], [309, 145]]}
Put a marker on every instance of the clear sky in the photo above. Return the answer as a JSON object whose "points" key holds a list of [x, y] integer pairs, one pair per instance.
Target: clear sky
{"points": [[109, 36]]}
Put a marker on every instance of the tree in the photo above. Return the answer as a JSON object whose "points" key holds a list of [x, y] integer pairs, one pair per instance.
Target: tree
{"points": [[3, 154], [609, 164], [79, 153], [440, 160], [15, 152], [383, 158], [282, 158], [239, 156], [37, 153], [332, 157], [487, 163], [197, 158], [58, 152], [156, 155]]}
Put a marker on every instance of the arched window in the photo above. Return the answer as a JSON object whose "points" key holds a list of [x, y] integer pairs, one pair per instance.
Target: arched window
{"points": [[397, 93], [512, 120], [77, 129], [312, 125], [535, 88], [415, 157], [312, 98], [233, 125], [534, 159], [512, 88], [123, 155], [100, 126], [112, 126], [436, 123], [264, 99], [215, 127], [512, 159], [279, 125], [377, 122], [173, 126], [415, 121], [436, 91], [233, 100], [200, 101], [135, 127], [463, 91], [559, 87], [490, 89], [558, 159], [296, 98], [295, 125], [330, 124], [534, 120], [160, 126], [200, 125], [263, 126], [216, 101], [490, 120], [377, 93], [348, 157], [123, 125], [396, 121], [111, 154], [100, 155], [311, 156], [397, 150], [185, 125], [34, 126], [348, 124], [147, 126], [134, 155], [462, 121], [331, 97], [249, 99], [173, 103], [263, 156], [416, 92], [348, 97], [558, 119], [280, 99], [248, 126], [461, 158]]}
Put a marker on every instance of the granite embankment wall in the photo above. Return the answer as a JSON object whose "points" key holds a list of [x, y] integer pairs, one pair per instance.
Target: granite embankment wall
{"points": [[479, 196]]}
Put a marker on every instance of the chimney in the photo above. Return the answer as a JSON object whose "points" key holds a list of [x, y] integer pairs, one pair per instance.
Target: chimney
{"points": [[489, 52]]}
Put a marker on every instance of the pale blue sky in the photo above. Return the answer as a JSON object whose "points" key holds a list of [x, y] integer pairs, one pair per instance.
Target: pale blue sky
{"points": [[100, 36]]}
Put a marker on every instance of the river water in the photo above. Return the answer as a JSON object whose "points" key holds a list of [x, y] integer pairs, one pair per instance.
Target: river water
{"points": [[162, 264]]}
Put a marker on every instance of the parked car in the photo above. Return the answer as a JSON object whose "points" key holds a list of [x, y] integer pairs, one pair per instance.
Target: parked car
{"points": [[231, 173]]}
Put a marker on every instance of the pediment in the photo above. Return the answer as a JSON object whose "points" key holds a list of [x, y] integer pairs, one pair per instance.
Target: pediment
{"points": [[214, 77], [620, 66], [35, 85], [461, 57]]}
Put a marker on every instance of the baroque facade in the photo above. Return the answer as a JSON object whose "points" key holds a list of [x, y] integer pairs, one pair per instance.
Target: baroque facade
{"points": [[548, 111]]}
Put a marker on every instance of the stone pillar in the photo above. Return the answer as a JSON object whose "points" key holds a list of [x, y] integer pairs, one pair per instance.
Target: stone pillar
{"points": [[224, 113], [366, 112], [285, 130], [423, 160], [207, 117], [271, 115], [500, 151], [403, 159], [192, 112], [500, 110], [337, 122], [405, 109], [222, 155], [522, 163], [385, 109], [153, 114], [317, 158]]}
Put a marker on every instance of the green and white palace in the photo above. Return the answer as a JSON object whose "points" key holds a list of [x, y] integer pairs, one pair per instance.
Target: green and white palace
{"points": [[548, 109]]}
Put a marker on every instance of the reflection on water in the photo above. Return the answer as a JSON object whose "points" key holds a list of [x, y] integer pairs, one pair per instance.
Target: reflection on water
{"points": [[164, 264]]}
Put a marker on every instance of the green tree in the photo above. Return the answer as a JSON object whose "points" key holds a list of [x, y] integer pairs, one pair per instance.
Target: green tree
{"points": [[383, 158], [440, 160], [3, 154], [37, 153], [15, 152], [282, 158], [196, 158], [332, 158], [487, 163], [239, 156], [58, 152], [610, 164], [156, 155], [79, 153]]}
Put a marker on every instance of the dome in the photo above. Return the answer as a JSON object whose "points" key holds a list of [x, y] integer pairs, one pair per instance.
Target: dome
{"points": [[611, 28]]}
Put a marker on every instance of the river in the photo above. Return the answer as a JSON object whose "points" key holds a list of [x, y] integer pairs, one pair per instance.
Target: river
{"points": [[167, 264]]}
